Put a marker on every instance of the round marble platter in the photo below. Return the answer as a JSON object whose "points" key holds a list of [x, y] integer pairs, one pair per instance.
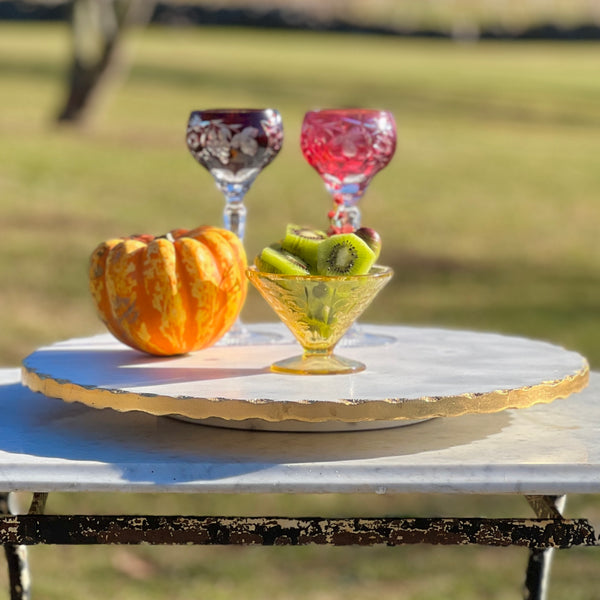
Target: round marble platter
{"points": [[421, 374]]}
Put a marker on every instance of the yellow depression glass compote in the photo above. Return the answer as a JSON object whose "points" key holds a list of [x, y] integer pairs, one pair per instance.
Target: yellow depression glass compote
{"points": [[318, 310]]}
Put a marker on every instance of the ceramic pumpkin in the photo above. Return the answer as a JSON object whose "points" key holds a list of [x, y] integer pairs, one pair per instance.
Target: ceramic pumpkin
{"points": [[171, 294]]}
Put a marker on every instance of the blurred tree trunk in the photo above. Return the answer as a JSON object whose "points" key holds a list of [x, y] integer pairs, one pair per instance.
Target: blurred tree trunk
{"points": [[97, 29]]}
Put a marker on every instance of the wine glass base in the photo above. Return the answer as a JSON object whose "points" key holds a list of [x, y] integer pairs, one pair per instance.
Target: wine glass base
{"points": [[249, 338], [240, 335], [357, 336], [317, 365]]}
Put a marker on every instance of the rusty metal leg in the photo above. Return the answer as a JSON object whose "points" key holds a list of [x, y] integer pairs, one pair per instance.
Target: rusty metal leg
{"points": [[538, 568], [16, 556], [38, 503]]}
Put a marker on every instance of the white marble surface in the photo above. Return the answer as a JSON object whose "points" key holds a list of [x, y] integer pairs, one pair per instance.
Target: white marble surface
{"points": [[49, 445], [426, 372]]}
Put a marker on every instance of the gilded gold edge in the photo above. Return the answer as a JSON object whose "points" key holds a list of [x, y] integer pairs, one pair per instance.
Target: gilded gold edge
{"points": [[309, 411]]}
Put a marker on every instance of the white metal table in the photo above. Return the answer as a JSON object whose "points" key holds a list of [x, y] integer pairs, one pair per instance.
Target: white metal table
{"points": [[543, 452]]}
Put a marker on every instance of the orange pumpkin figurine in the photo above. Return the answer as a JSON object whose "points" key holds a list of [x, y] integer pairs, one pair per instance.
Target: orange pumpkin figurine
{"points": [[172, 294]]}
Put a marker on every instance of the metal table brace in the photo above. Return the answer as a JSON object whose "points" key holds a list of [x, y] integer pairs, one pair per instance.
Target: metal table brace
{"points": [[541, 535]]}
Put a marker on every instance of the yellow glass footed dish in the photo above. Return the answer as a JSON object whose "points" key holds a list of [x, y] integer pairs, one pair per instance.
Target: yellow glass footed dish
{"points": [[318, 310]]}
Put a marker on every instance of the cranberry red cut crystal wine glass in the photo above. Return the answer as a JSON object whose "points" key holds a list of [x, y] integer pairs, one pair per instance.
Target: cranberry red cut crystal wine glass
{"points": [[348, 147], [235, 145]]}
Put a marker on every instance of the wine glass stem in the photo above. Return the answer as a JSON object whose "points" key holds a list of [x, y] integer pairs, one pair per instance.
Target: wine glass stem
{"points": [[234, 218], [234, 215], [346, 215], [353, 217]]}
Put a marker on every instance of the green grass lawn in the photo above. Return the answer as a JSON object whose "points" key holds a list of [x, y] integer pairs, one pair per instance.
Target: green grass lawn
{"points": [[488, 213]]}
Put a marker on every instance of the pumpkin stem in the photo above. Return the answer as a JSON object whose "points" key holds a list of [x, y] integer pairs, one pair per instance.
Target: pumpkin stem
{"points": [[166, 236]]}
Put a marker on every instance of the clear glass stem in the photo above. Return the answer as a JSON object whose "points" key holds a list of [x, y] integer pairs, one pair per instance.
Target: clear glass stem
{"points": [[234, 218], [234, 215]]}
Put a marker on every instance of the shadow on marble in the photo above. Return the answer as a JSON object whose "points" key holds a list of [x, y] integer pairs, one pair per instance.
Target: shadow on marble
{"points": [[50, 428]]}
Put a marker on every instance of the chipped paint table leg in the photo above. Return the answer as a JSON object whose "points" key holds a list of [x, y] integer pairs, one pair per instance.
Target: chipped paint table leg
{"points": [[16, 554], [540, 559], [541, 535], [295, 531], [16, 560]]}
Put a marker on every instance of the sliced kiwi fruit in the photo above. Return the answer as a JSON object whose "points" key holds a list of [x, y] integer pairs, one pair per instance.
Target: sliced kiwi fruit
{"points": [[274, 260], [303, 242], [344, 254]]}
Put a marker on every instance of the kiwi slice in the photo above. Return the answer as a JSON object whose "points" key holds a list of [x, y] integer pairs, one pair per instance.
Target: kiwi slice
{"points": [[303, 242], [273, 260], [344, 254]]}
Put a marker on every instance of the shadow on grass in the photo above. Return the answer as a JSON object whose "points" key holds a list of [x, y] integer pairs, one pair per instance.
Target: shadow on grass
{"points": [[476, 105]]}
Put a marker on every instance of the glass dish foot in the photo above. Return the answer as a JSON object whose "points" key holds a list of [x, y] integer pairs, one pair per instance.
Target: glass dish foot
{"points": [[311, 364]]}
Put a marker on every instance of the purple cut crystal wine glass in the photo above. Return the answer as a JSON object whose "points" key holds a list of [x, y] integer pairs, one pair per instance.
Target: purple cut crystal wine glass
{"points": [[235, 145]]}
